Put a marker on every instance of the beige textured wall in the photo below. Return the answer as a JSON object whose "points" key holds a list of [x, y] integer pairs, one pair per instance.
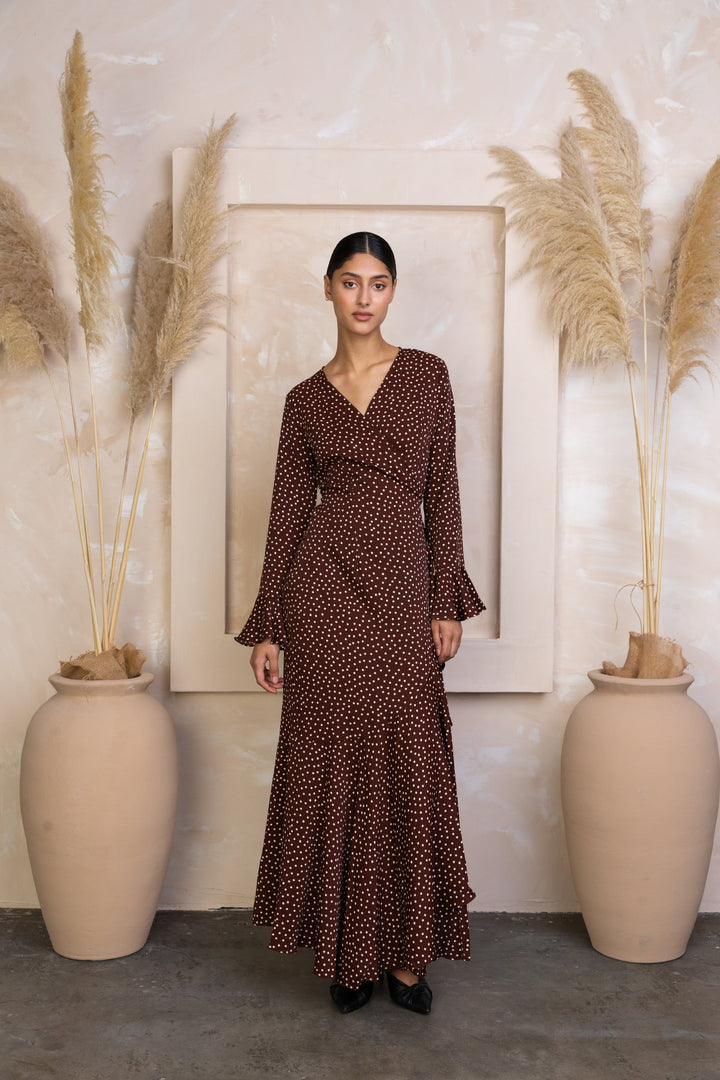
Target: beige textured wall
{"points": [[460, 74]]}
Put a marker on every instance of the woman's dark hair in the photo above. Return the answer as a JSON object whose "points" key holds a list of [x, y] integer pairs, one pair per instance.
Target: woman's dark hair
{"points": [[362, 243]]}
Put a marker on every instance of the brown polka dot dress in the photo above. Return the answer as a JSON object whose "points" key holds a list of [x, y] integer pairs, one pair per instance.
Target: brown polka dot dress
{"points": [[363, 859]]}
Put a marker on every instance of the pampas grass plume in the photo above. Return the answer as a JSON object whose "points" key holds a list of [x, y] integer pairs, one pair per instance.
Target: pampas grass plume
{"points": [[94, 251], [570, 251], [26, 277], [152, 289], [692, 308], [19, 339], [612, 146], [193, 301]]}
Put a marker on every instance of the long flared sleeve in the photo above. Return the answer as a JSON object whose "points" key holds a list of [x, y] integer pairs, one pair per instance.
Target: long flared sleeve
{"points": [[453, 595], [293, 499]]}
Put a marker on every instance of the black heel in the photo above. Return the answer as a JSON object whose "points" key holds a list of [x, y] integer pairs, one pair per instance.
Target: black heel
{"points": [[417, 998], [348, 1000]]}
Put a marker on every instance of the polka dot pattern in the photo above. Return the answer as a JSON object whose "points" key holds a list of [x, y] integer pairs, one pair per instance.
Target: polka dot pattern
{"points": [[363, 858]]}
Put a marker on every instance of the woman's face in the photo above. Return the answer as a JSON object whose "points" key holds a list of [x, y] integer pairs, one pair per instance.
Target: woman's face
{"points": [[361, 291]]}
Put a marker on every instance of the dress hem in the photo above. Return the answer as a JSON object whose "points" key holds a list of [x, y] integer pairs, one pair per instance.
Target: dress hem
{"points": [[371, 976]]}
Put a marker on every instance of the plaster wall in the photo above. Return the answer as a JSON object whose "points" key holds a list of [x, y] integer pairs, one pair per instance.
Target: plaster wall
{"points": [[398, 74]]}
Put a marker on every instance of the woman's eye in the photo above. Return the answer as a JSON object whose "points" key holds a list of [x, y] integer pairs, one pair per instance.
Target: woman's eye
{"points": [[379, 285]]}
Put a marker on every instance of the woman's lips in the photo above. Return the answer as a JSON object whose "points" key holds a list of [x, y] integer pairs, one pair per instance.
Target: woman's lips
{"points": [[363, 316]]}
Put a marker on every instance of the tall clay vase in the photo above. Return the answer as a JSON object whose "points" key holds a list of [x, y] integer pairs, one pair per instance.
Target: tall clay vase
{"points": [[640, 783], [98, 793]]}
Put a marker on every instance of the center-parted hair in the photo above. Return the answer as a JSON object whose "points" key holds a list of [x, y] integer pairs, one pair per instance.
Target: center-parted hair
{"points": [[362, 243]]}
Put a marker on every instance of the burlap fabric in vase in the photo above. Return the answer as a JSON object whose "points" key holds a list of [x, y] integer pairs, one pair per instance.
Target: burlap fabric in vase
{"points": [[649, 657], [124, 663]]}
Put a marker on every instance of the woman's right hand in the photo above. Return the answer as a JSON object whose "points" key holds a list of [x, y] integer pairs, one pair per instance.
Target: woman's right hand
{"points": [[264, 662]]}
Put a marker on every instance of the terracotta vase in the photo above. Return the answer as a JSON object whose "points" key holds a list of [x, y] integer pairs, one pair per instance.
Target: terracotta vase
{"points": [[640, 784], [98, 793]]}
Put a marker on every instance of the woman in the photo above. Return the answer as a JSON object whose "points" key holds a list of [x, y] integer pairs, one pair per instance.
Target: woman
{"points": [[363, 859]]}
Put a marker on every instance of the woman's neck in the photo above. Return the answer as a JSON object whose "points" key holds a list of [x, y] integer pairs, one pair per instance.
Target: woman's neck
{"points": [[358, 354]]}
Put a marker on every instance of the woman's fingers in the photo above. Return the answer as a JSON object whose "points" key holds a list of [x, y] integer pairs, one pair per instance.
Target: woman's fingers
{"points": [[264, 660], [437, 636], [447, 635]]}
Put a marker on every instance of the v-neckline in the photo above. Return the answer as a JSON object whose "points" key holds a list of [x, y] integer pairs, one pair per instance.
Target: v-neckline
{"points": [[372, 399]]}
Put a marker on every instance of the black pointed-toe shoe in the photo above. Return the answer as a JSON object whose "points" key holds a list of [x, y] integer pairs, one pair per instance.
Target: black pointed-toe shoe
{"points": [[417, 998], [348, 1000]]}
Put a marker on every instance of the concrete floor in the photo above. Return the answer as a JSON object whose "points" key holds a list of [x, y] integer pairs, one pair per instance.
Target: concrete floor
{"points": [[205, 998]]}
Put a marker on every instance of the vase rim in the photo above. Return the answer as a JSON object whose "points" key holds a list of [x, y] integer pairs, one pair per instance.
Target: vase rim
{"points": [[137, 682], [599, 678]]}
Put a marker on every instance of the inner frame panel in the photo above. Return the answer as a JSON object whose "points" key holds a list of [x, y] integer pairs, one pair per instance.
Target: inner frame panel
{"points": [[449, 302]]}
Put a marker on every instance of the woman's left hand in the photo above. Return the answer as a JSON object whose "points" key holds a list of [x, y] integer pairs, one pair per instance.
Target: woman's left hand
{"points": [[447, 634]]}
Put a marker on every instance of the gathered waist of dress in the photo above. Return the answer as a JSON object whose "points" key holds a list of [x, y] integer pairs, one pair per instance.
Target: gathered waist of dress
{"points": [[380, 491]]}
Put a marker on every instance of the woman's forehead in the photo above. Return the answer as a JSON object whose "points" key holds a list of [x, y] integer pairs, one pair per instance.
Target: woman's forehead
{"points": [[364, 265]]}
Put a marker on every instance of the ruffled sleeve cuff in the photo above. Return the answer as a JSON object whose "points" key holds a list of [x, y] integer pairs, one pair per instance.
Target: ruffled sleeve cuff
{"points": [[454, 596], [266, 621]]}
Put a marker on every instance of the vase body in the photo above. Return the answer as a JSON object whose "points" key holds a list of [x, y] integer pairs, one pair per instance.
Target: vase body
{"points": [[98, 794], [640, 782]]}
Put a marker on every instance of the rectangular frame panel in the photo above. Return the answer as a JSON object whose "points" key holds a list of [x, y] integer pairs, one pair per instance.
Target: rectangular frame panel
{"points": [[203, 656]]}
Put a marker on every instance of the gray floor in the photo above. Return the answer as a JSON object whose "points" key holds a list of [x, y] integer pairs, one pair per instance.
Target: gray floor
{"points": [[206, 998]]}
